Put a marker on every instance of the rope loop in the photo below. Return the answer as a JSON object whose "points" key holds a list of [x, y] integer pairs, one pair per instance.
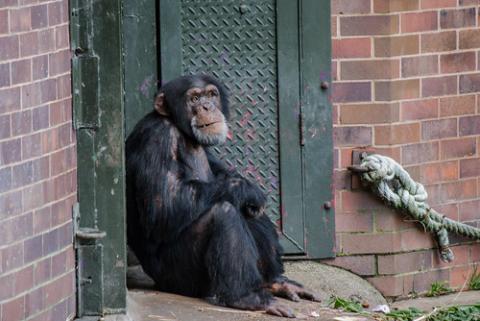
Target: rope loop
{"points": [[391, 182]]}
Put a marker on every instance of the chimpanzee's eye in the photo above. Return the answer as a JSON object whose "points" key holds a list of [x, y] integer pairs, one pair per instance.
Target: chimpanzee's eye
{"points": [[194, 98]]}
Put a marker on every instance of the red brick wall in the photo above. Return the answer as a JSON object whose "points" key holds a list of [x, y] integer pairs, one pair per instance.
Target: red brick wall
{"points": [[407, 85], [37, 162]]}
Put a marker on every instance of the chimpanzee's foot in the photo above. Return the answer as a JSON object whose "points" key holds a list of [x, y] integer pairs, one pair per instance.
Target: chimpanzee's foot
{"points": [[280, 310], [285, 288], [253, 301]]}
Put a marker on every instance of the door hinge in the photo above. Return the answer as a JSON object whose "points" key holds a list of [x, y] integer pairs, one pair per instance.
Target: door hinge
{"points": [[89, 257]]}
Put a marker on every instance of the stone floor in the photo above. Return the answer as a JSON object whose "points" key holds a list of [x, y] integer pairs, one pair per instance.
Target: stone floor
{"points": [[146, 304]]}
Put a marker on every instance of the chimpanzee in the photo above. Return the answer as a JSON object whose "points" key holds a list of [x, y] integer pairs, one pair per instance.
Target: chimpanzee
{"points": [[197, 227]]}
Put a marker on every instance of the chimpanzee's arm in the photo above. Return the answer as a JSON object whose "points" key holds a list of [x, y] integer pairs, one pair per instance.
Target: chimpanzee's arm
{"points": [[244, 194]]}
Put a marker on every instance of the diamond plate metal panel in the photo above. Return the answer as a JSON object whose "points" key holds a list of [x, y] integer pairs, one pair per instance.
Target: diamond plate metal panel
{"points": [[236, 42]]}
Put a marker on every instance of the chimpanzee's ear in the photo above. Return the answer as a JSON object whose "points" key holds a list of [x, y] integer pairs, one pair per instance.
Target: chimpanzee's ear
{"points": [[161, 104]]}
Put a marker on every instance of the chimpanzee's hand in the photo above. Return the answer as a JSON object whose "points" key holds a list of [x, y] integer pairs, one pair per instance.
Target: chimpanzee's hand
{"points": [[248, 196]]}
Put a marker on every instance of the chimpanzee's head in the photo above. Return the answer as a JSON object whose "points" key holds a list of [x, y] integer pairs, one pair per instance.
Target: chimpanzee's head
{"points": [[198, 105]]}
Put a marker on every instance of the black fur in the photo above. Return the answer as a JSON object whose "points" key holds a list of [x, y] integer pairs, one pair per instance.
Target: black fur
{"points": [[196, 227]]}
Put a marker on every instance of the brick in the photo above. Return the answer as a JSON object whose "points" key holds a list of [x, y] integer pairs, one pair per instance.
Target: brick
{"points": [[457, 105], [468, 211], [438, 172], [42, 220], [457, 148], [397, 89], [369, 243], [437, 129], [460, 275], [439, 41], [59, 289], [21, 71], [12, 257], [8, 3], [62, 37], [29, 44], [369, 69], [404, 263], [423, 281], [10, 151], [35, 301], [368, 25], [469, 83], [361, 222], [386, 6], [369, 113], [34, 196], [333, 27], [469, 125], [419, 66], [59, 112], [439, 86], [350, 7], [4, 75], [31, 146], [40, 67], [359, 264], [469, 39], [452, 191], [457, 62], [39, 16], [415, 239], [59, 263], [342, 179], [9, 48], [470, 167], [16, 229], [48, 89], [419, 109], [5, 131], [20, 19], [40, 117], [54, 13], [351, 47], [41, 168], [8, 287], [23, 280], [468, 2], [43, 271], [46, 41], [14, 310], [433, 4], [449, 210], [33, 248], [10, 204], [4, 21], [457, 18], [392, 285], [397, 134], [64, 86], [21, 122], [352, 136], [396, 45], [351, 92], [420, 153], [389, 220], [59, 62], [419, 21], [5, 181], [355, 201]]}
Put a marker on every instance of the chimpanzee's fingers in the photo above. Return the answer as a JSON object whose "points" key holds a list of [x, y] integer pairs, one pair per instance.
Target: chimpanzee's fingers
{"points": [[309, 296]]}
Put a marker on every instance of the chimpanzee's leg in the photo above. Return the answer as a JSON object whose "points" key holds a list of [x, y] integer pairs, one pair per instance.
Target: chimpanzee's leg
{"points": [[270, 262], [231, 259], [270, 252]]}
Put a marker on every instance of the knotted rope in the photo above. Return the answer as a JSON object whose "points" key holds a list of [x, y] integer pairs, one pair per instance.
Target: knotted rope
{"points": [[394, 185]]}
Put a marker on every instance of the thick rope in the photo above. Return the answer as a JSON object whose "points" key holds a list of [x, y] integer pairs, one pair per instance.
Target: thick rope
{"points": [[394, 185]]}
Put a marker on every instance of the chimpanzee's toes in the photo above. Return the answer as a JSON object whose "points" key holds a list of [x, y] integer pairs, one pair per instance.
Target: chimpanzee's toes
{"points": [[279, 310]]}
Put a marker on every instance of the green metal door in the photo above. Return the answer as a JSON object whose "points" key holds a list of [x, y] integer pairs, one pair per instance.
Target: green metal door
{"points": [[267, 54]]}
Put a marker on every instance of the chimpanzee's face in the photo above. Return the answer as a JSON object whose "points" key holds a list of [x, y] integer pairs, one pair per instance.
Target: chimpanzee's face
{"points": [[204, 106]]}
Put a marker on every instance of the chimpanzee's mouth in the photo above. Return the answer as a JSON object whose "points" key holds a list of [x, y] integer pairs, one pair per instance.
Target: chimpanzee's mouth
{"points": [[206, 125]]}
